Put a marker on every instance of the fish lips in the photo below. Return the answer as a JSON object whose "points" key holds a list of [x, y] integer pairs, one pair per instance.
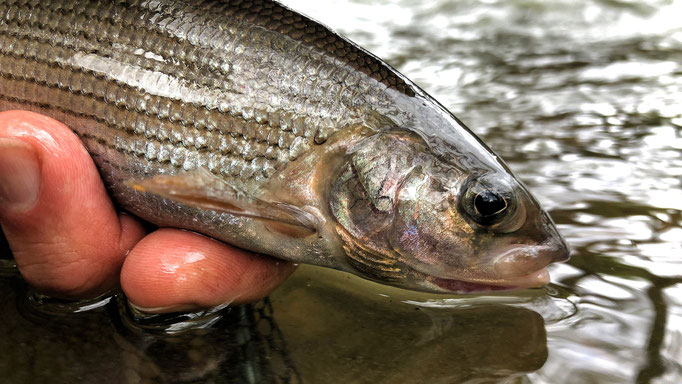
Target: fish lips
{"points": [[509, 270], [536, 279]]}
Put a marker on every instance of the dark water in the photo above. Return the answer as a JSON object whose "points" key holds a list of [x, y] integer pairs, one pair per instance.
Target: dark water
{"points": [[583, 100]]}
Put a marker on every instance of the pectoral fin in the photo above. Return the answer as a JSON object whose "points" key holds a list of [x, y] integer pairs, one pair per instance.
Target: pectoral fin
{"points": [[202, 189]]}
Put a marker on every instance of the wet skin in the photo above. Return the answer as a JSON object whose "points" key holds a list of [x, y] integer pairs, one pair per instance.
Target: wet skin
{"points": [[69, 241]]}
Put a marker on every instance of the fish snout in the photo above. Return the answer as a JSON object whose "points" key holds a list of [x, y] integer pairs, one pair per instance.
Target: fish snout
{"points": [[525, 260]]}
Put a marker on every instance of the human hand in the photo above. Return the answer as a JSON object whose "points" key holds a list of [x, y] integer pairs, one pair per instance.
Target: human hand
{"points": [[68, 240]]}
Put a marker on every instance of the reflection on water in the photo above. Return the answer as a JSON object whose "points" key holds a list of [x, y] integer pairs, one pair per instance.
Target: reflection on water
{"points": [[48, 342], [582, 98], [342, 331]]}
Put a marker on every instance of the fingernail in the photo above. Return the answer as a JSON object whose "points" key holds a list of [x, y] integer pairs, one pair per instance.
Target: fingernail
{"points": [[19, 175]]}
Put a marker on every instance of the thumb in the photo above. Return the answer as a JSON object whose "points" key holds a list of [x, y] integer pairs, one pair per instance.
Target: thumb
{"points": [[64, 232]]}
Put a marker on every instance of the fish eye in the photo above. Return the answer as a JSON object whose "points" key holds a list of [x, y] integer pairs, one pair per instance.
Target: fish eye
{"points": [[489, 203]]}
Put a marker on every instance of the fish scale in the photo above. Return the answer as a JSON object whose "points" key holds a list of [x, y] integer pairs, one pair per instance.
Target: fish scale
{"points": [[109, 96], [245, 112], [124, 45]]}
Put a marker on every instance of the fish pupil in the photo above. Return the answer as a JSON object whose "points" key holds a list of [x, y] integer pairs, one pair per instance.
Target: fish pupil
{"points": [[489, 203]]}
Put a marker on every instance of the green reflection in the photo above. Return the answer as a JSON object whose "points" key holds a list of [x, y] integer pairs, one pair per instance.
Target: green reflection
{"points": [[338, 335]]}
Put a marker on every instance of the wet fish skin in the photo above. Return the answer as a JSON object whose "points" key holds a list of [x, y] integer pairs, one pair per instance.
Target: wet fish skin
{"points": [[307, 147]]}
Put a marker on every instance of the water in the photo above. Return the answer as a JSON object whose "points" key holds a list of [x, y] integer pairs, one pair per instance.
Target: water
{"points": [[582, 99]]}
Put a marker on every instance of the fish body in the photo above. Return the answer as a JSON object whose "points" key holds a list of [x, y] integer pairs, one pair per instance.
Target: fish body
{"points": [[258, 126]]}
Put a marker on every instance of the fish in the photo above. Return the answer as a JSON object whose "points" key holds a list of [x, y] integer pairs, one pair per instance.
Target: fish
{"points": [[251, 123]]}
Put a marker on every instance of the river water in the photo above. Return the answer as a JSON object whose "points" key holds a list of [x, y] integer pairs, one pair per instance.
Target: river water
{"points": [[583, 101]]}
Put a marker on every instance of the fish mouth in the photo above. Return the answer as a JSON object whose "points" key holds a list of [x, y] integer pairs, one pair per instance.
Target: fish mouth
{"points": [[513, 263], [536, 279], [509, 270]]}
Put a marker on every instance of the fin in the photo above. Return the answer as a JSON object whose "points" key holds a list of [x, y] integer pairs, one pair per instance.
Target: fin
{"points": [[288, 229], [201, 189]]}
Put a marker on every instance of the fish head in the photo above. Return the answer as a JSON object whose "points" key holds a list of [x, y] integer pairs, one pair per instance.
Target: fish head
{"points": [[416, 220]]}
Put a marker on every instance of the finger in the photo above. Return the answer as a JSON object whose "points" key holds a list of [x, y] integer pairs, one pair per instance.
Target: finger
{"points": [[63, 230], [175, 270]]}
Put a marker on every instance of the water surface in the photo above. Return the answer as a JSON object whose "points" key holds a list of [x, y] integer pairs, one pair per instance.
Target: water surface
{"points": [[582, 99]]}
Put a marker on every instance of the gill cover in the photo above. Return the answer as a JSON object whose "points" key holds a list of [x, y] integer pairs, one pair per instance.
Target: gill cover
{"points": [[363, 197], [384, 200]]}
